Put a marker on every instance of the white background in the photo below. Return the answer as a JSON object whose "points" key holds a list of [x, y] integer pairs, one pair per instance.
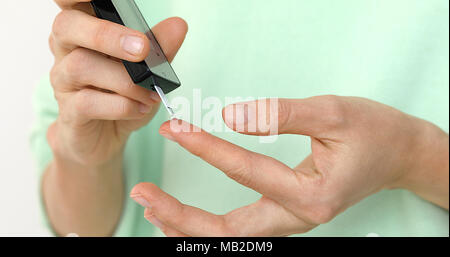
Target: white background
{"points": [[24, 26]]}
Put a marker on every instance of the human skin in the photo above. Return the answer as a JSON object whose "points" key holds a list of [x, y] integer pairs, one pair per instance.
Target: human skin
{"points": [[359, 147], [99, 107], [366, 144]]}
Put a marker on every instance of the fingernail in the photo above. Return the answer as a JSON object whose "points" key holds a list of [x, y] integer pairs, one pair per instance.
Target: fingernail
{"points": [[141, 200], [167, 135], [132, 44], [155, 221], [145, 109]]}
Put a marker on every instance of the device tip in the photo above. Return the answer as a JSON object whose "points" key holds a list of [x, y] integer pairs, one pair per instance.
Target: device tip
{"points": [[165, 101]]}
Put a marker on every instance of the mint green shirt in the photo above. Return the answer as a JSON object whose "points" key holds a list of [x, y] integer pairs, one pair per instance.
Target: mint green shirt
{"points": [[394, 52]]}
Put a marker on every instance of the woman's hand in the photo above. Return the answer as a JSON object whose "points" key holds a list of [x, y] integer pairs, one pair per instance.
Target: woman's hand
{"points": [[359, 147], [99, 105]]}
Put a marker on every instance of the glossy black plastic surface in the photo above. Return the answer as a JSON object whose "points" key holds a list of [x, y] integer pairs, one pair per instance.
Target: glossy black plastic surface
{"points": [[140, 72]]}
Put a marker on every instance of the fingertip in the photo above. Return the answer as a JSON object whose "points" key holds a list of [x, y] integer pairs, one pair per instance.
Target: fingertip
{"points": [[176, 126], [171, 34], [228, 116], [152, 194], [182, 24], [177, 25], [134, 191], [165, 131], [165, 127], [142, 189]]}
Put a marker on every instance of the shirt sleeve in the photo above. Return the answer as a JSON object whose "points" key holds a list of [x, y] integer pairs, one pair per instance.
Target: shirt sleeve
{"points": [[45, 110]]}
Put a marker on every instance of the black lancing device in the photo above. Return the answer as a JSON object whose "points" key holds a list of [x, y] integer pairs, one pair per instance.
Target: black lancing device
{"points": [[154, 72]]}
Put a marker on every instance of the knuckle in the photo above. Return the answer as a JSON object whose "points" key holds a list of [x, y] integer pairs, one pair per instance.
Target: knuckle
{"points": [[60, 24], [124, 107], [58, 97], [322, 214], [284, 114], [82, 102], [54, 73], [51, 44], [238, 175], [75, 64], [177, 215], [101, 34], [242, 172], [335, 111], [51, 136]]}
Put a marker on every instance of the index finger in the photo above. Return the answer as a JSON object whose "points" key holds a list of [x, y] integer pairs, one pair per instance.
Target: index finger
{"points": [[261, 173]]}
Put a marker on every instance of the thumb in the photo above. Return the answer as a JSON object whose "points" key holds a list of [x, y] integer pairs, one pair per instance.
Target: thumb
{"points": [[171, 34], [317, 116]]}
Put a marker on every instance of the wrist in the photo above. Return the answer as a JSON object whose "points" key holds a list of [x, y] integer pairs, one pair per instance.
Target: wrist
{"points": [[428, 165], [70, 150], [67, 164]]}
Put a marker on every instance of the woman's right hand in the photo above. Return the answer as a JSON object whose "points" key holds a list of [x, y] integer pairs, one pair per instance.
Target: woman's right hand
{"points": [[99, 105]]}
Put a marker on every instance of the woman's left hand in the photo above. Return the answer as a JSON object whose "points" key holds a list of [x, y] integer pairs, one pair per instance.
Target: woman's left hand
{"points": [[359, 147]]}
